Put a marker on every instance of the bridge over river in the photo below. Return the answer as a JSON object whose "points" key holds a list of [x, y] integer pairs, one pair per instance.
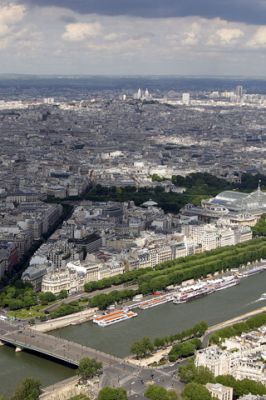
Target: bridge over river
{"points": [[116, 371], [23, 337]]}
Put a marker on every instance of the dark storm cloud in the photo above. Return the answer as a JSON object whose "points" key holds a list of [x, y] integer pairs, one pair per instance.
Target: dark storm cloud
{"points": [[248, 11]]}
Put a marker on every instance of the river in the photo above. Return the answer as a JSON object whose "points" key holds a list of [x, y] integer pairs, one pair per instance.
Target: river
{"points": [[117, 339]]}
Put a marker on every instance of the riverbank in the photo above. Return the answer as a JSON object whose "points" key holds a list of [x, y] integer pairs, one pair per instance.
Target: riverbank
{"points": [[235, 320], [162, 353], [164, 320], [69, 388], [72, 319]]}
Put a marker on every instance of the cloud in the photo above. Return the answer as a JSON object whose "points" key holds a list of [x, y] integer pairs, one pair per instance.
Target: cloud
{"points": [[10, 15], [80, 31], [122, 45], [248, 11], [259, 38], [229, 35], [57, 39], [192, 36]]}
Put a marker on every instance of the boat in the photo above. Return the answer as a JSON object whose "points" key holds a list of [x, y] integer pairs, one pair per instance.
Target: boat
{"points": [[262, 297], [113, 317], [225, 283], [184, 297], [157, 301], [252, 271]]}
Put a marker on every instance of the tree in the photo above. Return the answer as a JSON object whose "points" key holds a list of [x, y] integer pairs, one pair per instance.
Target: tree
{"points": [[112, 394], [142, 348], [46, 297], [155, 392], [190, 373], [195, 391], [242, 387], [29, 389], [62, 295], [184, 349], [159, 342], [89, 368]]}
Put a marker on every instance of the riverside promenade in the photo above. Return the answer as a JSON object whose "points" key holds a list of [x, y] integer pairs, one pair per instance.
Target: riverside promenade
{"points": [[229, 322], [235, 320]]}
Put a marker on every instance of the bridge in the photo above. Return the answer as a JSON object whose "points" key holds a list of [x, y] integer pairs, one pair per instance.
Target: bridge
{"points": [[116, 371], [23, 337]]}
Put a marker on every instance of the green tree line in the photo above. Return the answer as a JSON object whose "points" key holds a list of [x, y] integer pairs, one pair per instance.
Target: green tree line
{"points": [[145, 346], [239, 328], [260, 228]]}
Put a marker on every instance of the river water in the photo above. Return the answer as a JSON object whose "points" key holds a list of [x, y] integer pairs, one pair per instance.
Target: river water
{"points": [[117, 339]]}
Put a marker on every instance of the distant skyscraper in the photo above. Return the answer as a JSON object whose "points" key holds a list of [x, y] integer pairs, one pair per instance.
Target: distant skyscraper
{"points": [[186, 99], [239, 91], [48, 100]]}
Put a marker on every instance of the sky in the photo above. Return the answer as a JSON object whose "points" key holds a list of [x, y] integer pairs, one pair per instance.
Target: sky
{"points": [[133, 37]]}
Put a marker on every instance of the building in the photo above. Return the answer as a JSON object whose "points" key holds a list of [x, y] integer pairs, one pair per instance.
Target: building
{"points": [[215, 359], [244, 363], [239, 91], [219, 391], [212, 236], [236, 207], [34, 276], [186, 99], [56, 281]]}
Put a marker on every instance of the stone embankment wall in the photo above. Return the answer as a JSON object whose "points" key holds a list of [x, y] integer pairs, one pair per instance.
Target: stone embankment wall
{"points": [[72, 319], [68, 388]]}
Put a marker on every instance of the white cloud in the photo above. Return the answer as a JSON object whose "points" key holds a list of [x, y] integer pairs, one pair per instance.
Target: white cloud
{"points": [[11, 13], [121, 43], [124, 45], [80, 31], [192, 36], [111, 36], [4, 30], [259, 38], [229, 35]]}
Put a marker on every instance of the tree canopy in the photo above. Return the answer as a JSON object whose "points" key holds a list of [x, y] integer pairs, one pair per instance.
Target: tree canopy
{"points": [[142, 348], [29, 389], [89, 368], [196, 391], [112, 394], [155, 392], [190, 373]]}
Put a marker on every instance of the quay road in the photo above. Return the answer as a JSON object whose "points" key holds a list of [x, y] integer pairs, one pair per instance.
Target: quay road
{"points": [[85, 295], [229, 322]]}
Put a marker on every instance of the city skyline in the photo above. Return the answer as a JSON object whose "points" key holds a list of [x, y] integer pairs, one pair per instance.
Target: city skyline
{"points": [[140, 38]]}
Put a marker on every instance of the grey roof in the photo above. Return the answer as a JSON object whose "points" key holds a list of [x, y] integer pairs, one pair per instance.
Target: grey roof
{"points": [[231, 195], [33, 273]]}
